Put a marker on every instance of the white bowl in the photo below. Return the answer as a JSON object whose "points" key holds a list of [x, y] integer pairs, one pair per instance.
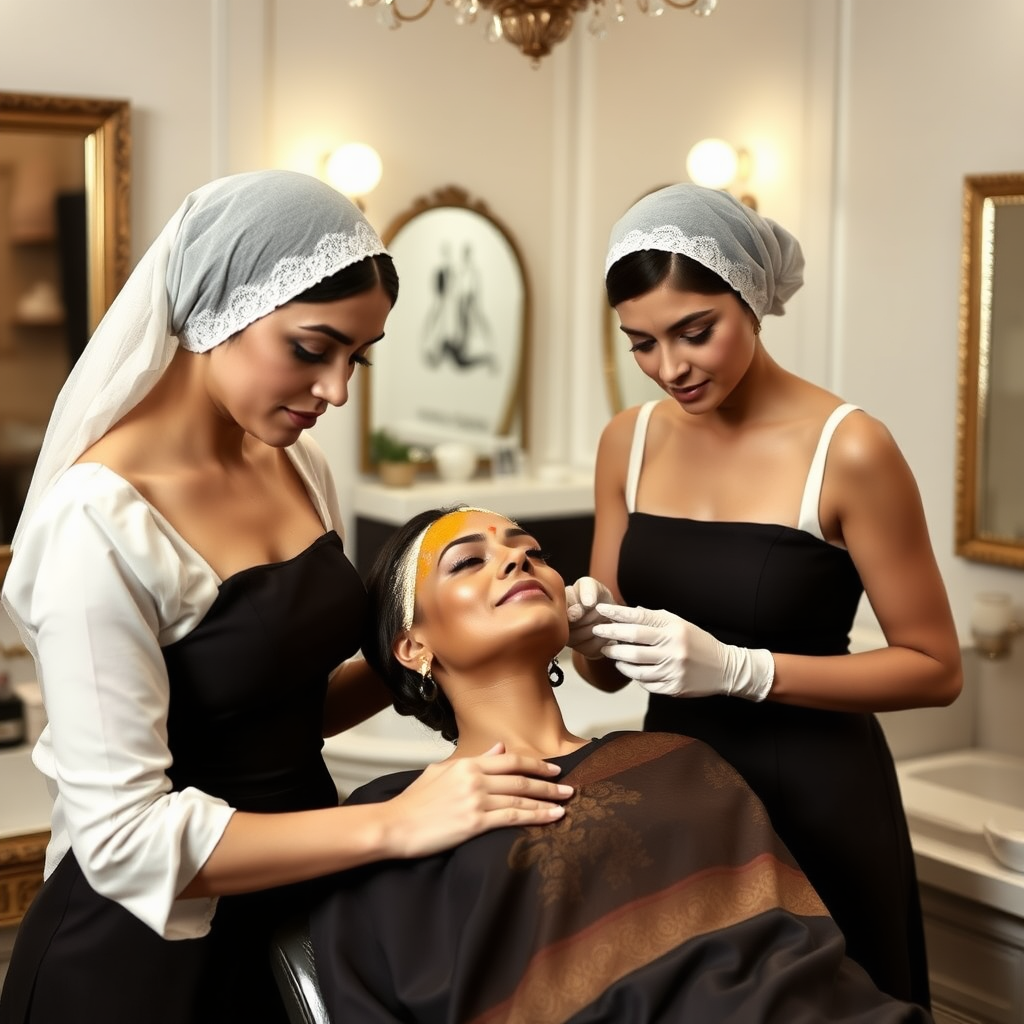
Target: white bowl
{"points": [[455, 461], [1006, 844]]}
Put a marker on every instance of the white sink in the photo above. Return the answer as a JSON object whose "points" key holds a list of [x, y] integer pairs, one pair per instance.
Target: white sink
{"points": [[24, 799], [972, 799]]}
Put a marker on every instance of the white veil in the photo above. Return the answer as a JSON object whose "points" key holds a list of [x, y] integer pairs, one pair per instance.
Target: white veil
{"points": [[236, 249]]}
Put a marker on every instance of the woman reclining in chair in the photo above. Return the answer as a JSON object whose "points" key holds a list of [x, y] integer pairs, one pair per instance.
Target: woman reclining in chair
{"points": [[663, 895]]}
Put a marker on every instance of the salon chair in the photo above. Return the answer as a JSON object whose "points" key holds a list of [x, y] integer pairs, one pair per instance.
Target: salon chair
{"points": [[291, 958]]}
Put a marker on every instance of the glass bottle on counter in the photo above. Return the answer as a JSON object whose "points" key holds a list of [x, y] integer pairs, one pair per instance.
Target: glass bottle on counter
{"points": [[12, 710]]}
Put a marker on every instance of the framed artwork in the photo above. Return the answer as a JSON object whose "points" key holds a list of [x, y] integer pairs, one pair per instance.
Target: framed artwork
{"points": [[453, 363]]}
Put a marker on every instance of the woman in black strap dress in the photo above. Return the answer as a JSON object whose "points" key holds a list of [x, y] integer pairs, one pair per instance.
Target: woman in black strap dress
{"points": [[738, 522]]}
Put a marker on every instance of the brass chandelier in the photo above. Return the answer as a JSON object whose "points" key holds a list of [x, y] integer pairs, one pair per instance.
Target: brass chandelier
{"points": [[534, 26]]}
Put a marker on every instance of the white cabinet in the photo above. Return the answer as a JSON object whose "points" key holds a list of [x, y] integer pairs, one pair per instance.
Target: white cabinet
{"points": [[975, 959]]}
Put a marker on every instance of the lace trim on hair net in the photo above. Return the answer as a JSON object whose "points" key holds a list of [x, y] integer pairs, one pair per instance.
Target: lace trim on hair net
{"points": [[704, 250], [290, 277], [753, 255], [405, 575]]}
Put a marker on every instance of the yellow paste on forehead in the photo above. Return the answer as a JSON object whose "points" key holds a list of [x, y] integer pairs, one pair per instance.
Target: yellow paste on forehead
{"points": [[438, 536], [441, 533], [422, 557]]}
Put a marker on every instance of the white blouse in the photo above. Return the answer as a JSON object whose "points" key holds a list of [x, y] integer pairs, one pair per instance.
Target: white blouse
{"points": [[100, 582]]}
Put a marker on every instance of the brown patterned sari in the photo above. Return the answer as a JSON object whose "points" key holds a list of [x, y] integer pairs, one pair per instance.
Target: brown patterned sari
{"points": [[664, 895]]}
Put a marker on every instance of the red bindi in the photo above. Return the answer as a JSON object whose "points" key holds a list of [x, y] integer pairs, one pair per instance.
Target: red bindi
{"points": [[492, 529]]}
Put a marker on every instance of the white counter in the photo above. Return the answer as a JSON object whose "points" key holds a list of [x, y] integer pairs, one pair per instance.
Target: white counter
{"points": [[946, 812], [518, 497], [971, 875], [25, 801]]}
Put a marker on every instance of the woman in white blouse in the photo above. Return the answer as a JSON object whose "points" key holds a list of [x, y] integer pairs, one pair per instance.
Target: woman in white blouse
{"points": [[180, 579]]}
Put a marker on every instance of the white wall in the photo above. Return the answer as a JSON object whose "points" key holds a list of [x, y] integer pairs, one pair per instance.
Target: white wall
{"points": [[864, 116], [442, 107], [559, 151], [930, 91], [655, 87]]}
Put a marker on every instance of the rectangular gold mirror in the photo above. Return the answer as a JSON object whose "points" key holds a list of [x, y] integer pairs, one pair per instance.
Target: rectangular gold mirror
{"points": [[65, 184], [990, 484]]}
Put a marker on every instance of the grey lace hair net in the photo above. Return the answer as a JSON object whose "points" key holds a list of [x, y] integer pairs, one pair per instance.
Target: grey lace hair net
{"points": [[236, 249], [757, 257]]}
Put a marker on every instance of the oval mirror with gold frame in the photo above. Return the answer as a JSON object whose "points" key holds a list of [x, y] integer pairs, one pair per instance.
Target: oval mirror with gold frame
{"points": [[625, 384], [990, 485], [81, 148], [453, 365]]}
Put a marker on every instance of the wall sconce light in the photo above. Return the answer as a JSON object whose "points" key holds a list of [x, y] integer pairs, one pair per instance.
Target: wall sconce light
{"points": [[715, 163], [992, 624], [354, 170]]}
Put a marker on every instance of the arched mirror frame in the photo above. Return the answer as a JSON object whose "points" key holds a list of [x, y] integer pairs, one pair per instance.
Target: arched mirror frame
{"points": [[515, 414], [105, 129], [625, 384], [982, 196]]}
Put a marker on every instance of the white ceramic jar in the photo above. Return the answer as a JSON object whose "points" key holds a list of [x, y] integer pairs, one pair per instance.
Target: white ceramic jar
{"points": [[455, 460]]}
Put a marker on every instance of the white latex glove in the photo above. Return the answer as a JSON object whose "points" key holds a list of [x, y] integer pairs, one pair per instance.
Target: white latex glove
{"points": [[667, 654], [580, 601]]}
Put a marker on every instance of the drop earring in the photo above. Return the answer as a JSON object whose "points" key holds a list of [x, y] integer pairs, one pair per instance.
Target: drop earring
{"points": [[555, 673], [427, 687]]}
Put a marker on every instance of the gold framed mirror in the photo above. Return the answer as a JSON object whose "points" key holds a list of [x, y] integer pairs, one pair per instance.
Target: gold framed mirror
{"points": [[989, 483], [65, 251], [625, 384], [454, 364]]}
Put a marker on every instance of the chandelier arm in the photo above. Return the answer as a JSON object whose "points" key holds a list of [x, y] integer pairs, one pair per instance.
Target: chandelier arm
{"points": [[532, 26], [426, 8]]}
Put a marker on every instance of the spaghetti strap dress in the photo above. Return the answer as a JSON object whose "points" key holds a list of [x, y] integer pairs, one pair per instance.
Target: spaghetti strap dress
{"points": [[827, 778], [247, 689]]}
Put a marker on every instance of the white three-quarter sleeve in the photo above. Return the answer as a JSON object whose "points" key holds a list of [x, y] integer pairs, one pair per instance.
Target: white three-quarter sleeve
{"points": [[100, 582]]}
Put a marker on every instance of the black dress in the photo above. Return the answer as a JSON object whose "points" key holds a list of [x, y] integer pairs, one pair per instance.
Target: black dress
{"points": [[827, 778], [245, 724]]}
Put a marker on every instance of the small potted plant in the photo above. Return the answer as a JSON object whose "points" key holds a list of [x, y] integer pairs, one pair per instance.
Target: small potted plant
{"points": [[394, 459]]}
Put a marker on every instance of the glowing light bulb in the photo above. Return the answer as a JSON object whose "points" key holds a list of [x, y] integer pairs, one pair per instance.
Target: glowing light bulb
{"points": [[354, 169], [712, 163]]}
